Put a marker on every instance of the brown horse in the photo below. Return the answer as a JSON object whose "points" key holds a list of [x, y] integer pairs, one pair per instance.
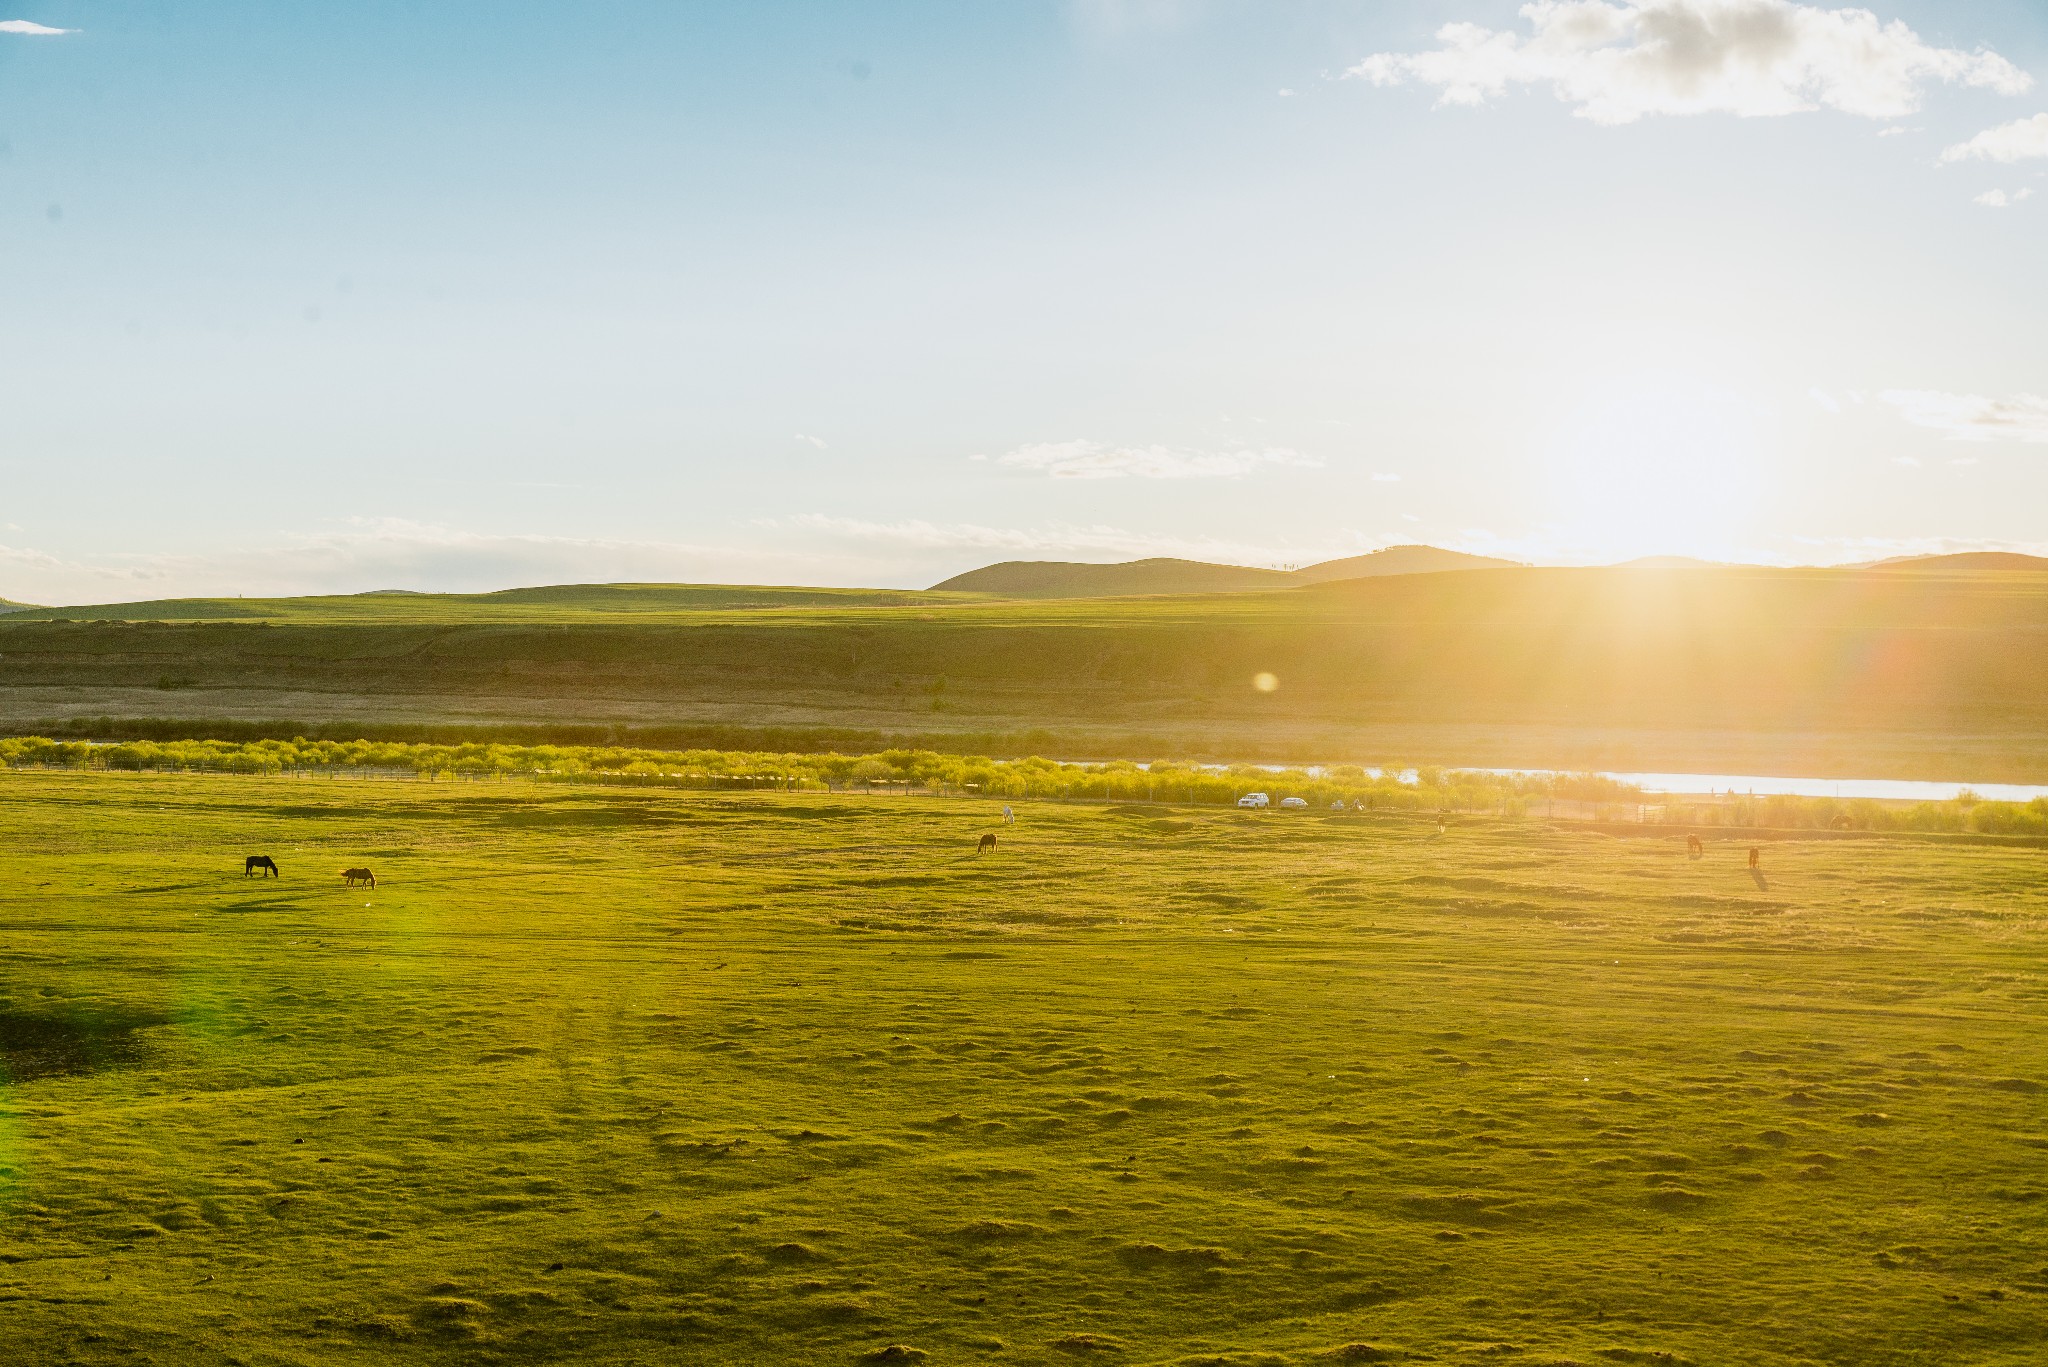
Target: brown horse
{"points": [[1693, 847], [260, 861], [355, 876], [1756, 857], [988, 842]]}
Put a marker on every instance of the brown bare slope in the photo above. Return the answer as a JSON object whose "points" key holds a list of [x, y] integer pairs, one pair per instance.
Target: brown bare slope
{"points": [[1130, 578], [1966, 562], [1399, 560], [1133, 578]]}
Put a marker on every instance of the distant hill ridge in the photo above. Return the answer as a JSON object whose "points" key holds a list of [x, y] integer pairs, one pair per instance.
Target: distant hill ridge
{"points": [[1964, 562], [1020, 580], [1072, 579]]}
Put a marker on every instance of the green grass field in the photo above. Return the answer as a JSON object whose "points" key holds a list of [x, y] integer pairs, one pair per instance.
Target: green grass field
{"points": [[1806, 673], [610, 1077]]}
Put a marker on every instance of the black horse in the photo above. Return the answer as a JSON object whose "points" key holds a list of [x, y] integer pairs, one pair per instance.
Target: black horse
{"points": [[260, 861]]}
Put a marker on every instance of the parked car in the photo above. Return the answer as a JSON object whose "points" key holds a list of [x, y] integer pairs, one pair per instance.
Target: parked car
{"points": [[1294, 802], [1338, 805], [1254, 800]]}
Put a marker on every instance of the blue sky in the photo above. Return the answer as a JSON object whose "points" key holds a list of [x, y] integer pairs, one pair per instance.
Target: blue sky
{"points": [[464, 295]]}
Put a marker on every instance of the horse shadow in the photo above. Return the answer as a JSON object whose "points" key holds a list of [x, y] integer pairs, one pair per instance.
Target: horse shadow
{"points": [[1762, 884]]}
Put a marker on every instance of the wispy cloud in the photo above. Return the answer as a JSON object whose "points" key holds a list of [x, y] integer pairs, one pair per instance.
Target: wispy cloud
{"points": [[1616, 62], [1824, 399], [1999, 199], [2020, 140], [1100, 460], [32, 30], [1973, 417], [818, 442]]}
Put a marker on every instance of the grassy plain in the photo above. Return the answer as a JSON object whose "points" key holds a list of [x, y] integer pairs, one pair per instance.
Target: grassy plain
{"points": [[609, 1077], [1807, 673]]}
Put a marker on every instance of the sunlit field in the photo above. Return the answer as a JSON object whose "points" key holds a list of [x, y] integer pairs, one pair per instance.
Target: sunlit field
{"points": [[613, 1076], [1801, 673]]}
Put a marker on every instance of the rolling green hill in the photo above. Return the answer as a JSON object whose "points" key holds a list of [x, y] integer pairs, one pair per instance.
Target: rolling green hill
{"points": [[1845, 672], [559, 602]]}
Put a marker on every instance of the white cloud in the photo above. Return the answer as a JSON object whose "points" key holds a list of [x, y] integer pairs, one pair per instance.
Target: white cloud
{"points": [[23, 26], [1617, 62], [1910, 462], [1999, 199], [2020, 140], [1973, 417], [1099, 460], [818, 442], [1824, 399]]}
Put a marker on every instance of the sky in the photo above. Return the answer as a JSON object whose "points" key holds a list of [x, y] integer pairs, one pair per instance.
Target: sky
{"points": [[464, 295]]}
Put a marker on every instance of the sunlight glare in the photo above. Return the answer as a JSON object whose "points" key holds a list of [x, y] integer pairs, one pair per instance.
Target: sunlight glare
{"points": [[1655, 467]]}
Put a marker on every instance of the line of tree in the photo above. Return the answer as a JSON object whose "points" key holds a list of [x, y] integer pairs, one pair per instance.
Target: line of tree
{"points": [[1430, 788], [1960, 815]]}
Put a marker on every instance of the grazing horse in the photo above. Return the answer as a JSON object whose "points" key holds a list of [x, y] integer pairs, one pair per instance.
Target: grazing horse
{"points": [[355, 876], [1693, 847], [1756, 857], [260, 861], [988, 842]]}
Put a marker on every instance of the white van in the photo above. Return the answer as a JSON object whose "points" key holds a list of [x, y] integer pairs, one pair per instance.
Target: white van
{"points": [[1294, 802], [1254, 800]]}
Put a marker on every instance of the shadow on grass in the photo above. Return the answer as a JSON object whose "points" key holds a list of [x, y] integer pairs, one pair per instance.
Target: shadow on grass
{"points": [[66, 1043]]}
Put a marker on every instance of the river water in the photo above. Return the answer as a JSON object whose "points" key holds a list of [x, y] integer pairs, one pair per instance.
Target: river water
{"points": [[1762, 785], [1886, 789]]}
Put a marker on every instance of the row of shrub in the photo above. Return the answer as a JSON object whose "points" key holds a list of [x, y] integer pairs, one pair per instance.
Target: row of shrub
{"points": [[1391, 788], [914, 770]]}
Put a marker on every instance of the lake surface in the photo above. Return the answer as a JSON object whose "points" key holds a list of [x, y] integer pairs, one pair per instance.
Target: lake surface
{"points": [[1887, 789]]}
